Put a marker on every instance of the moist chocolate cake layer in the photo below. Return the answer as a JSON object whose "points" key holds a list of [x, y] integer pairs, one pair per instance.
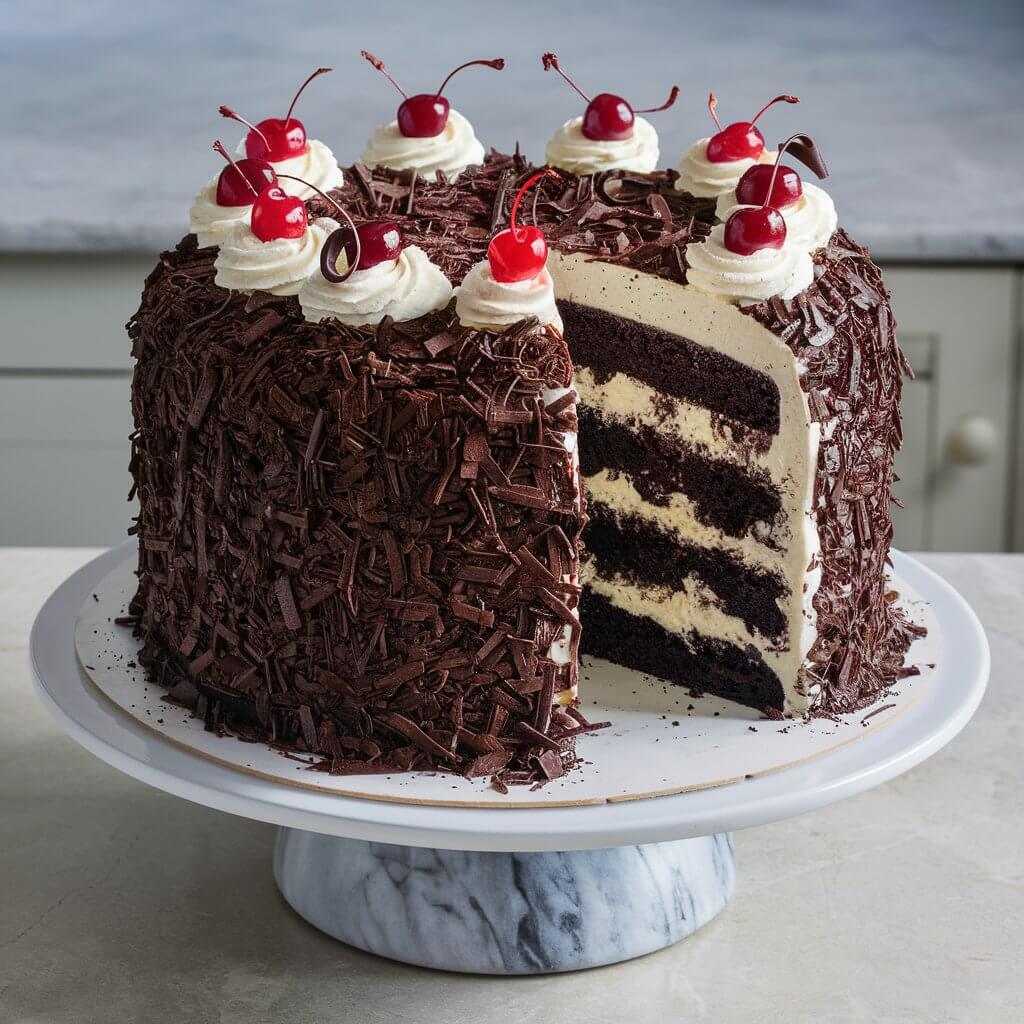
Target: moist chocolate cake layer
{"points": [[640, 553], [608, 344], [725, 496], [700, 664]]}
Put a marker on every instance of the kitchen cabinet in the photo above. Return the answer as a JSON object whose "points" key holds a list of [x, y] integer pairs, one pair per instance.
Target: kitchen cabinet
{"points": [[65, 418], [958, 327]]}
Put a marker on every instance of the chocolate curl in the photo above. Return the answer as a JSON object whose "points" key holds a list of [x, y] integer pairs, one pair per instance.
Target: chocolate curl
{"points": [[804, 148], [335, 243]]}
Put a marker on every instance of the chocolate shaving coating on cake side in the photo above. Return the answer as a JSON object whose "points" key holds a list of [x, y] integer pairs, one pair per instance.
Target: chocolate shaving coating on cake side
{"points": [[355, 541]]}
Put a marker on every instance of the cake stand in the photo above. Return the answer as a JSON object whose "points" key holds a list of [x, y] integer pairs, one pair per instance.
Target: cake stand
{"points": [[554, 885]]}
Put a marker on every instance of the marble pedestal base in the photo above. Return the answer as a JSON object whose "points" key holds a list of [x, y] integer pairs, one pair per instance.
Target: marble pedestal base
{"points": [[505, 913]]}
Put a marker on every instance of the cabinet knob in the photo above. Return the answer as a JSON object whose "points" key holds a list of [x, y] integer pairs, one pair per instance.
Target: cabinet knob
{"points": [[974, 441]]}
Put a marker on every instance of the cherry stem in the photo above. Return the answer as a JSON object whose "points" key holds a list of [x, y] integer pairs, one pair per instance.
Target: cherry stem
{"points": [[219, 147], [295, 98], [228, 112], [379, 65], [550, 60], [712, 104], [344, 213], [526, 185], [775, 169], [672, 97], [498, 64], [771, 103]]}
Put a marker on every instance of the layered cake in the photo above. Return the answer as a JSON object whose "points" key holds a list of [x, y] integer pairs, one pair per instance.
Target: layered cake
{"points": [[388, 491]]}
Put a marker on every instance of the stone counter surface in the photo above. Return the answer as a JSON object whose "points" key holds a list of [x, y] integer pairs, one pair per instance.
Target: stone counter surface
{"points": [[122, 903], [110, 107]]}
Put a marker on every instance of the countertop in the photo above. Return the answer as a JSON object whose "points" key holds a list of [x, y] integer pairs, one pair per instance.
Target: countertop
{"points": [[122, 903], [918, 106]]}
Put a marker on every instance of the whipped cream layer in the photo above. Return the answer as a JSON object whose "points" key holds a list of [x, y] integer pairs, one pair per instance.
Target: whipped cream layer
{"points": [[706, 179], [404, 289], [280, 266], [490, 305], [317, 166], [745, 280], [208, 221], [810, 221], [570, 150], [791, 461], [451, 152]]}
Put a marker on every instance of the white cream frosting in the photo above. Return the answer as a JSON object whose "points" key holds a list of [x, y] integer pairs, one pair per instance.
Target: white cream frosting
{"points": [[810, 221], [280, 266], [570, 150], [317, 166], [744, 280], [792, 459], [491, 305], [706, 179], [404, 289], [208, 221], [451, 152]]}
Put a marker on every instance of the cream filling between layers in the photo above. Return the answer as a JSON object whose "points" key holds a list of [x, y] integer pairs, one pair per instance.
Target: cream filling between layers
{"points": [[690, 608], [624, 400], [718, 325], [678, 519]]}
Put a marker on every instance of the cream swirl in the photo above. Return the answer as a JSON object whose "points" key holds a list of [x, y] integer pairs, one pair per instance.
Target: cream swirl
{"points": [[317, 166], [744, 280], [451, 152], [810, 221], [706, 179], [570, 150], [403, 289], [280, 266], [491, 305], [208, 221]]}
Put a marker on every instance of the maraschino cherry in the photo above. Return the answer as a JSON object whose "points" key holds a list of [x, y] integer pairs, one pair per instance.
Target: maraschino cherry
{"points": [[519, 253], [752, 188], [751, 228], [741, 140], [425, 115], [275, 214], [608, 118], [242, 180], [274, 139]]}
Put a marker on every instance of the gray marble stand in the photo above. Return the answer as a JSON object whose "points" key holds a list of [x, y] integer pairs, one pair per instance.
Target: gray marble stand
{"points": [[505, 913]]}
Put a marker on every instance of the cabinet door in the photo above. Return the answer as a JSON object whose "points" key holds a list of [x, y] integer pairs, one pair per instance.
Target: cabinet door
{"points": [[957, 326], [64, 454]]}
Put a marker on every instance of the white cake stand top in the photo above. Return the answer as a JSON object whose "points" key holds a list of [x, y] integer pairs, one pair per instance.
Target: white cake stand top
{"points": [[940, 711]]}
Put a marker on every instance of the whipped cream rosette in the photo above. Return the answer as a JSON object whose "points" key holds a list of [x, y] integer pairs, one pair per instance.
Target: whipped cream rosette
{"points": [[745, 279], [427, 136], [607, 136], [279, 266], [570, 150], [388, 279], [714, 165]]}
